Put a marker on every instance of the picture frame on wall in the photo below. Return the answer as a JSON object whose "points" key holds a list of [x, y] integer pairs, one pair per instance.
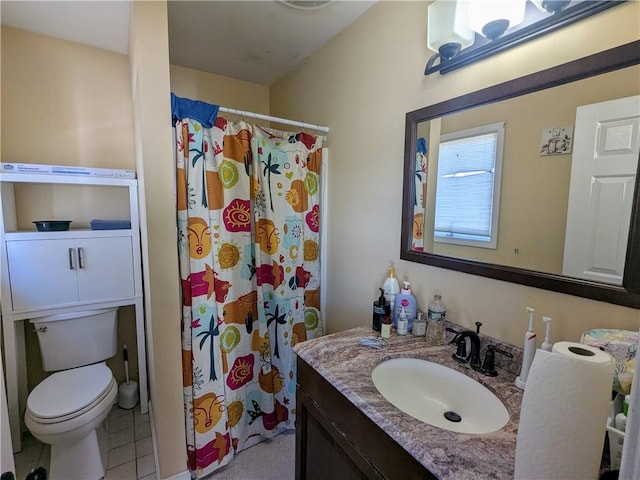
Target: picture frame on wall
{"points": [[556, 141]]}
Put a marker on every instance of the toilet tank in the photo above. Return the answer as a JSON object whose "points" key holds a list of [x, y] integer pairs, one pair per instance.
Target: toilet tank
{"points": [[75, 339]]}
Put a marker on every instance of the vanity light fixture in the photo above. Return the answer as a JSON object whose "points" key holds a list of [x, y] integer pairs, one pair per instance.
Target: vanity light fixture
{"points": [[462, 32]]}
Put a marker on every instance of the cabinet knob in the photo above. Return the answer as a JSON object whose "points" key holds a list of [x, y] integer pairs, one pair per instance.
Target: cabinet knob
{"points": [[71, 259]]}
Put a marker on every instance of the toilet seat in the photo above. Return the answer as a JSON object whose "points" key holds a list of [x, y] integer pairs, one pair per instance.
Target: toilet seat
{"points": [[69, 393]]}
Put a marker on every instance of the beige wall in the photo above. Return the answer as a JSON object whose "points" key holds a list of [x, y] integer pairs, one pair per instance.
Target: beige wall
{"points": [[218, 90], [74, 100], [361, 84], [149, 58]]}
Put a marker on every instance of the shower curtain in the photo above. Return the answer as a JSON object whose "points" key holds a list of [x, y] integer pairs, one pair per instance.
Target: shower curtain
{"points": [[248, 224]]}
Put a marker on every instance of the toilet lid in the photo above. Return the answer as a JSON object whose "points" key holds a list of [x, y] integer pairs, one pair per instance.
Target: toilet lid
{"points": [[69, 391]]}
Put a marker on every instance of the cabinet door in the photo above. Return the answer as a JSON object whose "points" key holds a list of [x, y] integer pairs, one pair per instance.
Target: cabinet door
{"points": [[42, 274], [105, 268]]}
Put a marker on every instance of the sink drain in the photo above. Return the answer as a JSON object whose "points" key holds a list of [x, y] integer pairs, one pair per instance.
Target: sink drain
{"points": [[452, 417]]}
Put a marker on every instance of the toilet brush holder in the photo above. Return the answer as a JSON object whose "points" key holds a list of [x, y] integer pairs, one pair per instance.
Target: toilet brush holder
{"points": [[128, 390], [128, 395]]}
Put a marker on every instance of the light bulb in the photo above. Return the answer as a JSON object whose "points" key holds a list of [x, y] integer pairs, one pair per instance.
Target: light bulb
{"points": [[492, 18], [447, 27]]}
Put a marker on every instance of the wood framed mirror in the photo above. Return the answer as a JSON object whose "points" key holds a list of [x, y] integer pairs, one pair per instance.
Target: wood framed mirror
{"points": [[611, 74]]}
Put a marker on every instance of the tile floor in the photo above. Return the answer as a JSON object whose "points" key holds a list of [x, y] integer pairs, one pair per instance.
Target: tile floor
{"points": [[130, 449]]}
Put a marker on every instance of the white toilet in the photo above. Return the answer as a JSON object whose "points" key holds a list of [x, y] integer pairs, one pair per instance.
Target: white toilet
{"points": [[66, 408]]}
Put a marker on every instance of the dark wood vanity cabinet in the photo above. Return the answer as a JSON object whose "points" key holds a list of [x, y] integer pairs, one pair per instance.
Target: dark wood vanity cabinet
{"points": [[335, 440]]}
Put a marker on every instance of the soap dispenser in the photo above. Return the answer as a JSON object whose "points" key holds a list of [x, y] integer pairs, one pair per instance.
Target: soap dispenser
{"points": [[381, 308], [407, 301], [529, 352]]}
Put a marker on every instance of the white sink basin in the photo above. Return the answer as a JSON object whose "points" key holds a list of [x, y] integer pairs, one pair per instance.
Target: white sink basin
{"points": [[427, 391]]}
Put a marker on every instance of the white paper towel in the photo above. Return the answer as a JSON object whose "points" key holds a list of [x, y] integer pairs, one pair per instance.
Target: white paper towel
{"points": [[564, 413]]}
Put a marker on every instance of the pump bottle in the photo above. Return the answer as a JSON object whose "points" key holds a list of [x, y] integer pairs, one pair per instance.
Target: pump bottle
{"points": [[407, 301], [529, 352], [381, 308], [547, 345]]}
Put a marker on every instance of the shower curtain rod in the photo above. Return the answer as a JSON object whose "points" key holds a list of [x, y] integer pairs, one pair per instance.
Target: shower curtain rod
{"points": [[284, 121]]}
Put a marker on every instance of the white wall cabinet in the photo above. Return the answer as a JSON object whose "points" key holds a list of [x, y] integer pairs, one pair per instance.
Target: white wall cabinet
{"points": [[62, 272], [47, 273]]}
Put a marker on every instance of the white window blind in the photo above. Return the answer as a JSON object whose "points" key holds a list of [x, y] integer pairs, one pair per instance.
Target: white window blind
{"points": [[468, 186]]}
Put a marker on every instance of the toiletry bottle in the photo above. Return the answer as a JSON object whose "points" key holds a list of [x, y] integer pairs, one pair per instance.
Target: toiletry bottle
{"points": [[391, 288], [529, 352], [385, 328], [436, 314], [620, 422], [420, 325], [403, 322], [407, 301], [380, 309], [547, 345]]}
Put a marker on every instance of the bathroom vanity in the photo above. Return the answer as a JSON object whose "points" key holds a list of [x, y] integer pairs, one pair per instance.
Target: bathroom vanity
{"points": [[346, 428]]}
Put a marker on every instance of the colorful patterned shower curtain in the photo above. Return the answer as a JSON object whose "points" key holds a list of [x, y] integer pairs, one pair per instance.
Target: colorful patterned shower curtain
{"points": [[248, 224]]}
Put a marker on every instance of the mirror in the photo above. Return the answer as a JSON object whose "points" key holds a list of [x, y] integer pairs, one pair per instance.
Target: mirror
{"points": [[530, 251]]}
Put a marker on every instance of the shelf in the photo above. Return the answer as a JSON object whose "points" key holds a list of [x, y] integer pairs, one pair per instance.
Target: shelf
{"points": [[40, 283], [66, 179], [31, 235]]}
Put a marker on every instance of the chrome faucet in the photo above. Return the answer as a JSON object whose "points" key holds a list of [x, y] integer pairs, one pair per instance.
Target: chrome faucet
{"points": [[473, 359]]}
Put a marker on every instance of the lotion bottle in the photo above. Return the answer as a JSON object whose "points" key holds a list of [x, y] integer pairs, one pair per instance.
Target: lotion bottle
{"points": [[391, 288], [407, 301], [529, 352]]}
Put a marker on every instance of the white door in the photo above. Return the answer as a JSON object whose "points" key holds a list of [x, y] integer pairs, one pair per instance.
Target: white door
{"points": [[603, 169], [105, 268], [42, 273]]}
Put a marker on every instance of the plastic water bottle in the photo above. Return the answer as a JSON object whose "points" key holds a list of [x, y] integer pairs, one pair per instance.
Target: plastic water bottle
{"points": [[436, 314]]}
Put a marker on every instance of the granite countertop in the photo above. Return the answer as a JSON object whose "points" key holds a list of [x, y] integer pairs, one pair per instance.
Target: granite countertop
{"points": [[347, 365]]}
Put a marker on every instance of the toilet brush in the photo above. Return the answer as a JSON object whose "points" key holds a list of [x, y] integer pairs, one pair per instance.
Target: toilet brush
{"points": [[128, 391]]}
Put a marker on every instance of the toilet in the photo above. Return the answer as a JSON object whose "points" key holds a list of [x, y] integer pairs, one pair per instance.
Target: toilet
{"points": [[66, 408]]}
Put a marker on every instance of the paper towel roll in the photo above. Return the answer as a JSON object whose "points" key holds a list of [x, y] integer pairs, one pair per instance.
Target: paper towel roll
{"points": [[564, 413]]}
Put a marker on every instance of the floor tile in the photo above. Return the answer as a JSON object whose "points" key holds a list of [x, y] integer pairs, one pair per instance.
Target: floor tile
{"points": [[146, 465], [45, 457], [128, 434], [139, 416], [119, 423], [153, 476], [120, 455], [126, 471], [144, 447], [121, 438], [143, 431], [118, 412]]}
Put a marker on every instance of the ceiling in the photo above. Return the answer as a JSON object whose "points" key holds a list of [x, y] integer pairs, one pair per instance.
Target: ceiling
{"points": [[255, 41]]}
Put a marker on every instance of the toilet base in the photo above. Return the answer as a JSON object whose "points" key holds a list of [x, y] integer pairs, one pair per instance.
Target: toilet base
{"points": [[65, 456]]}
